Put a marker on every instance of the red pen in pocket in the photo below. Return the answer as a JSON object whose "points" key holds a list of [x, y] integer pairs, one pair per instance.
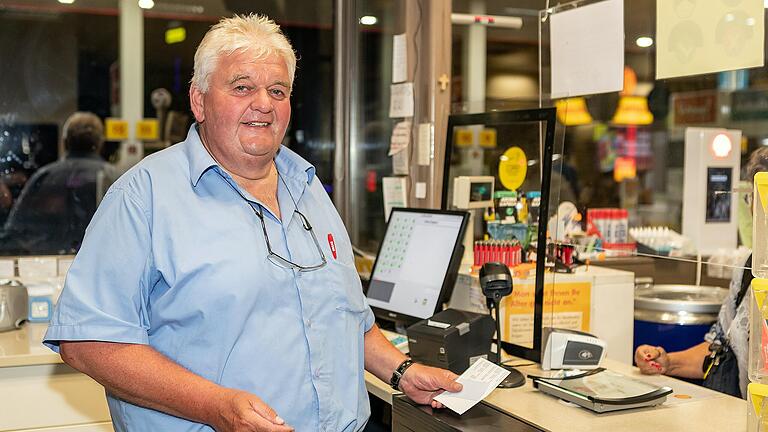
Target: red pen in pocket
{"points": [[332, 245]]}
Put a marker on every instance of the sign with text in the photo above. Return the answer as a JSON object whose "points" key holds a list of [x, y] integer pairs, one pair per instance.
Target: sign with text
{"points": [[566, 305], [692, 109], [147, 130], [116, 129]]}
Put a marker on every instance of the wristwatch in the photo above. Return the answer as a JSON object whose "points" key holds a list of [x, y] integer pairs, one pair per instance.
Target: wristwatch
{"points": [[398, 373]]}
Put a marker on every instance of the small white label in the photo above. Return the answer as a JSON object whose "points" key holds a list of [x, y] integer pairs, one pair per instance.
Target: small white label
{"points": [[472, 360], [40, 309], [421, 190], [438, 324]]}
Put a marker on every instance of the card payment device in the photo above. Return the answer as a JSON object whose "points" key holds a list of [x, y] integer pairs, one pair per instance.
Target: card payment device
{"points": [[571, 349]]}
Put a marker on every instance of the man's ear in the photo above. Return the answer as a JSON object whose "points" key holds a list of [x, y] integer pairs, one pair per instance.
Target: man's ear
{"points": [[196, 100]]}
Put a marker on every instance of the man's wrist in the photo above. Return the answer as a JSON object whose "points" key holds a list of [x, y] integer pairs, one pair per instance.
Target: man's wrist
{"points": [[398, 373]]}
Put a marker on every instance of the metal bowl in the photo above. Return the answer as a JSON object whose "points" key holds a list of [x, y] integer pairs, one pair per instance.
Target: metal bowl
{"points": [[680, 298]]}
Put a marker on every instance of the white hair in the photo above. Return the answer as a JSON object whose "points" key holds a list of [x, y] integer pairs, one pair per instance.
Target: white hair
{"points": [[256, 34]]}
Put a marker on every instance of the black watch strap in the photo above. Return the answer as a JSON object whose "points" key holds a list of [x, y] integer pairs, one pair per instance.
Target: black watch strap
{"points": [[398, 373]]}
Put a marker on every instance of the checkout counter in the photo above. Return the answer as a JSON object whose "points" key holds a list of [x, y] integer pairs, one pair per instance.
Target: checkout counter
{"points": [[39, 394], [689, 408]]}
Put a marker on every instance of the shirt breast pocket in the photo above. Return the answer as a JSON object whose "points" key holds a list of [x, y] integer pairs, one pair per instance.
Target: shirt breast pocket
{"points": [[347, 288]]}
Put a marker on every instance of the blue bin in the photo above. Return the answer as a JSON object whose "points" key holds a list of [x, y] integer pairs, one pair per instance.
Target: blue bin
{"points": [[675, 317]]}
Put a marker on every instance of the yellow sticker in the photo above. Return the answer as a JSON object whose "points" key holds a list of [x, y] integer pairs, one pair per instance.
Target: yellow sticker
{"points": [[116, 129], [487, 138], [464, 137], [513, 167], [147, 130]]}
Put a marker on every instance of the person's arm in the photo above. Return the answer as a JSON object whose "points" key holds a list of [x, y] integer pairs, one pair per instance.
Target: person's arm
{"points": [[686, 364], [420, 383], [141, 375]]}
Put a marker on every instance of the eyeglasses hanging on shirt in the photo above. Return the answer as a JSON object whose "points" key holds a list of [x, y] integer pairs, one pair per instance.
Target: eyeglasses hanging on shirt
{"points": [[279, 261], [272, 256]]}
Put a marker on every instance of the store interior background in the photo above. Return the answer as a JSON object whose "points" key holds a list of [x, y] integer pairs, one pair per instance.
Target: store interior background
{"points": [[58, 58]]}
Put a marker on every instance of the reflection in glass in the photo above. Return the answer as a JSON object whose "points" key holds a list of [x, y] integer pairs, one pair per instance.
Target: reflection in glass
{"points": [[58, 201]]}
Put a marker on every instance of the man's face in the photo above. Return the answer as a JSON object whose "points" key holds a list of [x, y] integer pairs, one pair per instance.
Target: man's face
{"points": [[245, 112]]}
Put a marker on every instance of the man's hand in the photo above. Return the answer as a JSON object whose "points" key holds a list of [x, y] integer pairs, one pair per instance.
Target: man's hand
{"points": [[243, 411], [422, 383], [652, 360]]}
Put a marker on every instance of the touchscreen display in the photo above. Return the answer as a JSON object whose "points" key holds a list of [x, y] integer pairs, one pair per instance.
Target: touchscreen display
{"points": [[718, 194]]}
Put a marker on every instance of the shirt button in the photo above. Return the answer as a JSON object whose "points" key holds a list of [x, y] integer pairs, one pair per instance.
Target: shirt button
{"points": [[317, 373], [309, 323]]}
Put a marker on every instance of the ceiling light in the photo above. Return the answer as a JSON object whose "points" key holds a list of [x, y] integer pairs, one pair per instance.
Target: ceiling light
{"points": [[368, 20], [146, 4], [645, 41], [72, 1]]}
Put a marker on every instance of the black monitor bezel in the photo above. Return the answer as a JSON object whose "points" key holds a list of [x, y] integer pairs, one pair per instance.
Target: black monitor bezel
{"points": [[449, 279], [546, 149]]}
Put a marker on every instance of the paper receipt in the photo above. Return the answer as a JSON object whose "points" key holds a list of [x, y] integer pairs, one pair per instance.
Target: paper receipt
{"points": [[479, 381]]}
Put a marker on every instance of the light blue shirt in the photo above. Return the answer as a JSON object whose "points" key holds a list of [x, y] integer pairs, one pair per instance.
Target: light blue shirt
{"points": [[176, 258]]}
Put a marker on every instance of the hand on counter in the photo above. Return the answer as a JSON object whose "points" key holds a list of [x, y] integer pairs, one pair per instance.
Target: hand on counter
{"points": [[243, 411], [652, 360], [422, 383]]}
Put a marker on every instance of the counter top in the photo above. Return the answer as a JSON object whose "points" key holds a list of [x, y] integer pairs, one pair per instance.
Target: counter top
{"points": [[24, 347], [690, 407]]}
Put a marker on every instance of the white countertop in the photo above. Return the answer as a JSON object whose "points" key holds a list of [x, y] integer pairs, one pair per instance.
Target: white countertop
{"points": [[24, 347], [690, 407]]}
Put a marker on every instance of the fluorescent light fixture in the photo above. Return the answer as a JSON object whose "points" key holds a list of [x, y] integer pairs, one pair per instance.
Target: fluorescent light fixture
{"points": [[645, 41], [175, 35], [146, 4], [72, 1], [368, 20]]}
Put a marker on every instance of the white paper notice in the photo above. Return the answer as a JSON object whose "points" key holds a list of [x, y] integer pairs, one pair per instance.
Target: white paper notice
{"points": [[400, 162], [708, 36], [401, 100], [394, 191], [421, 190], [587, 46], [479, 381], [426, 139], [399, 58], [401, 137]]}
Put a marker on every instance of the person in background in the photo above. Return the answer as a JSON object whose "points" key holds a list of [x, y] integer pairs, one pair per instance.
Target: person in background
{"points": [[721, 360], [216, 286], [58, 201]]}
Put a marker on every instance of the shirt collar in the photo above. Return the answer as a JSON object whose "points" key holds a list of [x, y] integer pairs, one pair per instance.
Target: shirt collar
{"points": [[289, 164]]}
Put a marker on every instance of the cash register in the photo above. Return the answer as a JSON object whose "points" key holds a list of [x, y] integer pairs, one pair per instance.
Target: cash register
{"points": [[417, 265]]}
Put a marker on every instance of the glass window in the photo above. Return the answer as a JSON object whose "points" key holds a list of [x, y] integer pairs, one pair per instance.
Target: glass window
{"points": [[62, 58], [372, 128], [55, 60]]}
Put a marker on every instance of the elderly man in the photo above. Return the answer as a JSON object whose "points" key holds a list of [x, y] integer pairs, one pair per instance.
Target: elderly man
{"points": [[206, 293]]}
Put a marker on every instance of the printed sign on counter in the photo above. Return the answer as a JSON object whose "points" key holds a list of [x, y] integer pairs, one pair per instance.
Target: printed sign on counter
{"points": [[568, 304]]}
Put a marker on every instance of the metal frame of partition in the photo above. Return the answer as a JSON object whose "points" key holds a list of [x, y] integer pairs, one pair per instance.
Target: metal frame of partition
{"points": [[548, 116]]}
